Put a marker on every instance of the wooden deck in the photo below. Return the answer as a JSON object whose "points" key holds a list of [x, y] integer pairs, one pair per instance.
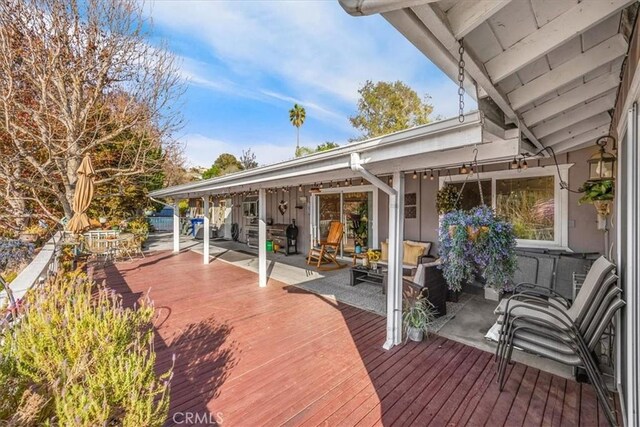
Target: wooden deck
{"points": [[281, 356]]}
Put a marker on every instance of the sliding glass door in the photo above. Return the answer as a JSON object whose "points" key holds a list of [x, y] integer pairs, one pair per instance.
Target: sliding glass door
{"points": [[354, 209]]}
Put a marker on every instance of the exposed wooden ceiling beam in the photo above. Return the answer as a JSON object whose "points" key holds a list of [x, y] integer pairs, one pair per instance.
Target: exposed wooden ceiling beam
{"points": [[465, 16], [575, 96], [575, 115], [569, 71], [413, 30], [574, 21], [581, 141], [433, 23], [579, 128], [370, 7]]}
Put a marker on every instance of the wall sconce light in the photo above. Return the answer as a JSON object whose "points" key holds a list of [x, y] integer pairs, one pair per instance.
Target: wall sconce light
{"points": [[601, 163]]}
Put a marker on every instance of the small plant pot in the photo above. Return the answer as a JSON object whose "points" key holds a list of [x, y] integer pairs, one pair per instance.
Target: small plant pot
{"points": [[358, 249], [415, 334]]}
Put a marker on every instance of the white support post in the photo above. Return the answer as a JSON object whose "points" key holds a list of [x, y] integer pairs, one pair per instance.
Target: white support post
{"points": [[394, 275], [176, 227], [262, 237], [207, 228]]}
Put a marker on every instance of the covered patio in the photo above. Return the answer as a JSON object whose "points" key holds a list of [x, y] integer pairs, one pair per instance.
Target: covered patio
{"points": [[243, 357]]}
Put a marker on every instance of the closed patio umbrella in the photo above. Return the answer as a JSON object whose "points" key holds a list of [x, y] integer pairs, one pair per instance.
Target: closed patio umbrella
{"points": [[82, 197]]}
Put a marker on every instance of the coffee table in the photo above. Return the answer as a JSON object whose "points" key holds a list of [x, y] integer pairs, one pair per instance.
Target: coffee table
{"points": [[360, 274]]}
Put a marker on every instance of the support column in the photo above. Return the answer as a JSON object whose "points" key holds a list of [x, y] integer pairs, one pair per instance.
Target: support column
{"points": [[394, 275], [176, 226], [207, 228], [262, 237]]}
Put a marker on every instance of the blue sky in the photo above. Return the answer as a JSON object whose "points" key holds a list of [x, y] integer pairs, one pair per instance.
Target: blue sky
{"points": [[248, 62]]}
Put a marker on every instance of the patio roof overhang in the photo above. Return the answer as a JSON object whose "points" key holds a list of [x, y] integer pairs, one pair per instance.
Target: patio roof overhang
{"points": [[552, 68], [435, 145]]}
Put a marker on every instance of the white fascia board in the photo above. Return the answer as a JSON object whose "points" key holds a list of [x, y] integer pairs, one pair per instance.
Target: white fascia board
{"points": [[371, 7], [331, 160], [492, 152]]}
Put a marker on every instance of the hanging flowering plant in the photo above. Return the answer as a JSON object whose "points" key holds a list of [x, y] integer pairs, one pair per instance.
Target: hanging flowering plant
{"points": [[477, 242]]}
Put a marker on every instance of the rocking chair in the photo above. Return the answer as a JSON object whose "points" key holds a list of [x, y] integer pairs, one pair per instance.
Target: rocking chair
{"points": [[327, 251]]}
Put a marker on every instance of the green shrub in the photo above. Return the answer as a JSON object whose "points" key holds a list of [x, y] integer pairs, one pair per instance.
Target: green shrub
{"points": [[78, 357]]}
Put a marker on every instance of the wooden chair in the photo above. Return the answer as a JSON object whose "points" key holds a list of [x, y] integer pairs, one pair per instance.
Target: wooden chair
{"points": [[327, 251]]}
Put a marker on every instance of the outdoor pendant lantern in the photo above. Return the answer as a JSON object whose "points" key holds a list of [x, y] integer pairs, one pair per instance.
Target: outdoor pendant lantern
{"points": [[602, 164]]}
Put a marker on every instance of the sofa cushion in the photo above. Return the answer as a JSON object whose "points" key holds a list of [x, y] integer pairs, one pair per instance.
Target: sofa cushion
{"points": [[426, 245], [412, 253], [384, 251]]}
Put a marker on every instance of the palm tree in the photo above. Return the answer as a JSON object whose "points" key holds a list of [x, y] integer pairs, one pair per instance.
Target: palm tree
{"points": [[296, 116]]}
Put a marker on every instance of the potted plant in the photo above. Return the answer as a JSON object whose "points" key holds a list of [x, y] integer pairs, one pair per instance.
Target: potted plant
{"points": [[447, 199], [418, 314], [483, 245], [600, 194]]}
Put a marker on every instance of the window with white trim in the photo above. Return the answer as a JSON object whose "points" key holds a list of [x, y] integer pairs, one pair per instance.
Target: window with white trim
{"points": [[531, 199]]}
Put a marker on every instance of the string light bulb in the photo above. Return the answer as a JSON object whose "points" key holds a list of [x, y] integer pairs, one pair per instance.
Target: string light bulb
{"points": [[431, 177], [514, 164], [524, 164], [415, 175]]}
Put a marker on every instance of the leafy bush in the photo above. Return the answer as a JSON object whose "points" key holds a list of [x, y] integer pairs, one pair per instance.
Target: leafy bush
{"points": [[13, 255], [78, 357], [139, 227], [477, 242]]}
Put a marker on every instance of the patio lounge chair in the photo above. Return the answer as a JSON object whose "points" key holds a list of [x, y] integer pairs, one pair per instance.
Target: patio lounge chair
{"points": [[561, 340], [540, 322], [327, 251]]}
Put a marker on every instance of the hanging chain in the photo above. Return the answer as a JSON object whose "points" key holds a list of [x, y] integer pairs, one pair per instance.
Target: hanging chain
{"points": [[461, 82]]}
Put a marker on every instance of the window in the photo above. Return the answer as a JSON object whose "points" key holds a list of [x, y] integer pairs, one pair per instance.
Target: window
{"points": [[528, 203], [530, 199], [470, 197]]}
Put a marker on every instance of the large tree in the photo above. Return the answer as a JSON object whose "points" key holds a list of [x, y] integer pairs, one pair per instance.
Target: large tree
{"points": [[386, 107], [248, 159], [79, 77], [224, 164]]}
